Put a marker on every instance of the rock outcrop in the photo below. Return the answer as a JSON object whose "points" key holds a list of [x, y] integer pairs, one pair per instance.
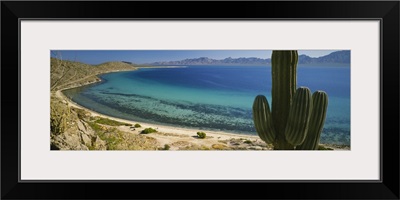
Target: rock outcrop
{"points": [[78, 135]]}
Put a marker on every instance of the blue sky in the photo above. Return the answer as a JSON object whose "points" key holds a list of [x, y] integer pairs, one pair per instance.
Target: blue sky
{"points": [[149, 56]]}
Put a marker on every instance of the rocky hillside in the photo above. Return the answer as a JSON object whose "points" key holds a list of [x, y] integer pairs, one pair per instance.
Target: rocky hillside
{"points": [[72, 128], [64, 74]]}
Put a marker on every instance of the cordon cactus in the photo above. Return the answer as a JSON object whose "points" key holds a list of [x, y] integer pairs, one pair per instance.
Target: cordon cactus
{"points": [[296, 119]]}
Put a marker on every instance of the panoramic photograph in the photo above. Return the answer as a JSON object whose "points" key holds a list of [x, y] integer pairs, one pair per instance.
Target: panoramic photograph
{"points": [[176, 100]]}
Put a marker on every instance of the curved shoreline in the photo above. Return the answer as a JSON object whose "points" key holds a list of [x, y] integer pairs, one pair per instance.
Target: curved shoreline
{"points": [[162, 128], [221, 135]]}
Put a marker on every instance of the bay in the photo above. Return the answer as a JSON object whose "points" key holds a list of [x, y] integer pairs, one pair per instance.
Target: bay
{"points": [[212, 97]]}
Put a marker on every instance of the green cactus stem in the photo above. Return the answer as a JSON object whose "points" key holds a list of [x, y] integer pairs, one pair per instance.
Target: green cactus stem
{"points": [[299, 117], [263, 119], [317, 120], [284, 81]]}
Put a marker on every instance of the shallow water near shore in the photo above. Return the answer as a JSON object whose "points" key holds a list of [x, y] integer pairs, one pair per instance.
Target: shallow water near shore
{"points": [[211, 97]]}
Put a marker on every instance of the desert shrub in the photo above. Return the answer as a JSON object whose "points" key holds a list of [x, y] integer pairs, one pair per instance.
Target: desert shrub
{"points": [[91, 147], [201, 135], [167, 147], [248, 142], [149, 130], [112, 136], [96, 127], [137, 126], [111, 122]]}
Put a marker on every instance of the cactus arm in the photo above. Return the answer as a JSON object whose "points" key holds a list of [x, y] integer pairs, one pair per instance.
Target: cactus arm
{"points": [[299, 117], [263, 120], [317, 120]]}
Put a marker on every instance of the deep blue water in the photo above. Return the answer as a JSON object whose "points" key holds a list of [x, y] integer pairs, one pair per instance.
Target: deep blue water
{"points": [[212, 97]]}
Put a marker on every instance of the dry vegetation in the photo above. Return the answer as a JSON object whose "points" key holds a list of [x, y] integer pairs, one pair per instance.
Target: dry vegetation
{"points": [[85, 132], [71, 127], [64, 74]]}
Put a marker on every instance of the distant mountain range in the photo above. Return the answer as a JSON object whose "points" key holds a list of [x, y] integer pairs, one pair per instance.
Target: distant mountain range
{"points": [[334, 57]]}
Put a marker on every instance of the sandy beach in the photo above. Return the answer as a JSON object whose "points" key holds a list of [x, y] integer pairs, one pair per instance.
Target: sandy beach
{"points": [[178, 136]]}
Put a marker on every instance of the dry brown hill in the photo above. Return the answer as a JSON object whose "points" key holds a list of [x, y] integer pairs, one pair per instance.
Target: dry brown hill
{"points": [[65, 74]]}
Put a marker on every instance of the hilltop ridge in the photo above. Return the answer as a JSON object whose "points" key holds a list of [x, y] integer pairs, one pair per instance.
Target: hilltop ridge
{"points": [[64, 73], [334, 57]]}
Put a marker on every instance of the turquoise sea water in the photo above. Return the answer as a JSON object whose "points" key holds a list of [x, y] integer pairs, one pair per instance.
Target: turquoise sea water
{"points": [[211, 97]]}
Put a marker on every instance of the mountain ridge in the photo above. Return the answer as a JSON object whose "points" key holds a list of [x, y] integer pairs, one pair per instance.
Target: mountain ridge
{"points": [[334, 57]]}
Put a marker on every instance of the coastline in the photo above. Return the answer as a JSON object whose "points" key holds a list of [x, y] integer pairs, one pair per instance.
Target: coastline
{"points": [[168, 134], [177, 131]]}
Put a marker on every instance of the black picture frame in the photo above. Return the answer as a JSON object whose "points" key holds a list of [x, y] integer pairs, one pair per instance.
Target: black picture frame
{"points": [[386, 11]]}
